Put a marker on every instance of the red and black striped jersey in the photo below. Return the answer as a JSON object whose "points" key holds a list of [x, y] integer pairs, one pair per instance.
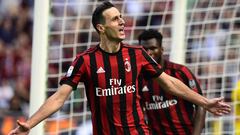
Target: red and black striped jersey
{"points": [[166, 113], [111, 83]]}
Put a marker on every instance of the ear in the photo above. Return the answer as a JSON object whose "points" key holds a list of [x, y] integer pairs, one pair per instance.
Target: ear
{"points": [[100, 28], [161, 50]]}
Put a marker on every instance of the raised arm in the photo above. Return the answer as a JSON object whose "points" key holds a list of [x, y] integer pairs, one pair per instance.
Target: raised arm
{"points": [[52, 104], [177, 88]]}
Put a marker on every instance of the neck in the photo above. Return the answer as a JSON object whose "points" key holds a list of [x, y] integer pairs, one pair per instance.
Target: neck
{"points": [[161, 61], [110, 46]]}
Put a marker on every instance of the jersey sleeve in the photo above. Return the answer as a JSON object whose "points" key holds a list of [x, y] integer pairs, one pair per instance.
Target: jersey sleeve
{"points": [[75, 73], [190, 80], [150, 68]]}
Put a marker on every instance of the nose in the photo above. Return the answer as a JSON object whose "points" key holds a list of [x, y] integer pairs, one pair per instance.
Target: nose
{"points": [[121, 20]]}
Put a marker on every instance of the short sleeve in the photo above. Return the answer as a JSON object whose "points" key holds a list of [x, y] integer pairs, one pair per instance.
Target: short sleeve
{"points": [[150, 68], [75, 73], [190, 80]]}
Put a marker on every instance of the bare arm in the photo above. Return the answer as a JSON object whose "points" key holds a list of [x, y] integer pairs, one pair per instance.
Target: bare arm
{"points": [[52, 104], [178, 88], [199, 121]]}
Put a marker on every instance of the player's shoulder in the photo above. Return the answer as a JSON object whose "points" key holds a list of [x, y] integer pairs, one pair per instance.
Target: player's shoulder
{"points": [[132, 46], [92, 49], [175, 65], [88, 51]]}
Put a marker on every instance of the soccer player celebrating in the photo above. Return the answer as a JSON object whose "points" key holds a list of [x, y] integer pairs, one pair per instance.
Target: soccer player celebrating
{"points": [[168, 114], [110, 74]]}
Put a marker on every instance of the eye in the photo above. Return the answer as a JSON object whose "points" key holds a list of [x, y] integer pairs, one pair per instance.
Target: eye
{"points": [[115, 18], [150, 48], [153, 48]]}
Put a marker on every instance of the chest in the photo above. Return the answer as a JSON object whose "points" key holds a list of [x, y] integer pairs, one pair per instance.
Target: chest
{"points": [[113, 71]]}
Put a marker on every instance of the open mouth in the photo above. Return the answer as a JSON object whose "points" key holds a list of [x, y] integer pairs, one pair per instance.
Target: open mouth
{"points": [[121, 30]]}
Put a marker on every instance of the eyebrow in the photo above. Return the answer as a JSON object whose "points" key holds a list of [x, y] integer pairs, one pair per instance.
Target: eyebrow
{"points": [[116, 17]]}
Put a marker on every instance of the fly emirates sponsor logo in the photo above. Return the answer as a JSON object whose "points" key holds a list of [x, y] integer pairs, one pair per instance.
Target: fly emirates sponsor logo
{"points": [[159, 103], [115, 89]]}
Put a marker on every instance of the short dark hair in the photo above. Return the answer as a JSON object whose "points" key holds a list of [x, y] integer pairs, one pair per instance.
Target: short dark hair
{"points": [[97, 17], [149, 34]]}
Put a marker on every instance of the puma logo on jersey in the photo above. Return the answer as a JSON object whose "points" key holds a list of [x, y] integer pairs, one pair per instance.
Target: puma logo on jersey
{"points": [[100, 70]]}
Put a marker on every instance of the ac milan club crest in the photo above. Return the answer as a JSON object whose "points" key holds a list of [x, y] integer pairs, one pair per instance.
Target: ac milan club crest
{"points": [[127, 65]]}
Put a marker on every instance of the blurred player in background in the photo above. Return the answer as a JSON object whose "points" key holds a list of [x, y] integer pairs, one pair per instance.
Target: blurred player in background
{"points": [[110, 74], [166, 113]]}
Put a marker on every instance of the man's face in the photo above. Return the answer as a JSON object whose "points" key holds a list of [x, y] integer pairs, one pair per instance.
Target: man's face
{"points": [[153, 49], [114, 24]]}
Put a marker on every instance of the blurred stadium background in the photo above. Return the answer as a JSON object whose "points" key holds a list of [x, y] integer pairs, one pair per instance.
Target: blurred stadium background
{"points": [[211, 49]]}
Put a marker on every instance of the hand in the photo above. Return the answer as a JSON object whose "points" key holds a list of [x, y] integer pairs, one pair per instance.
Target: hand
{"points": [[218, 107], [22, 129]]}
